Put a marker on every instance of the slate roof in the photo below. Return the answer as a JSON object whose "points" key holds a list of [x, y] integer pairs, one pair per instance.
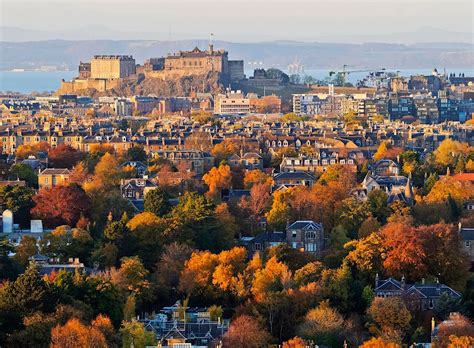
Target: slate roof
{"points": [[304, 225], [55, 171], [467, 233], [269, 237], [434, 290], [389, 284], [294, 175]]}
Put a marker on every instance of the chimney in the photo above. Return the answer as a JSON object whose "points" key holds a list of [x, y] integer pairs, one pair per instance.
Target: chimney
{"points": [[376, 281], [422, 281]]}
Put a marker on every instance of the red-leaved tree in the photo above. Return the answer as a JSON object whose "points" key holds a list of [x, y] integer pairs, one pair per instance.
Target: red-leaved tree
{"points": [[61, 205], [64, 156]]}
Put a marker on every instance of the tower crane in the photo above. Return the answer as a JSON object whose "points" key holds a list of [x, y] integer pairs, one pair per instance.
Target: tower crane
{"points": [[342, 74]]}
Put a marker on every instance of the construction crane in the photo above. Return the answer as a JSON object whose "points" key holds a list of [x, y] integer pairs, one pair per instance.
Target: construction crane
{"points": [[342, 74]]}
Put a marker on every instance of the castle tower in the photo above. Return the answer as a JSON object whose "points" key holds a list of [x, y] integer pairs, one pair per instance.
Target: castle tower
{"points": [[211, 44]]}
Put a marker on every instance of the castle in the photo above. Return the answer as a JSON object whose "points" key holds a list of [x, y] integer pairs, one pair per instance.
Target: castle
{"points": [[105, 72], [102, 73], [195, 62]]}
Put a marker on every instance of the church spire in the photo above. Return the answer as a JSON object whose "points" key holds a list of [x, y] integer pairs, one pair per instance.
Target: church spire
{"points": [[409, 191]]}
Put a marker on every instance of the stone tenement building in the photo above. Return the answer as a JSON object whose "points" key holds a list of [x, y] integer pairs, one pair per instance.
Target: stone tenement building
{"points": [[195, 62], [102, 73]]}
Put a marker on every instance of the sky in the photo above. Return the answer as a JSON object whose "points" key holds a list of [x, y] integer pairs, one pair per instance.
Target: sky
{"points": [[239, 21]]}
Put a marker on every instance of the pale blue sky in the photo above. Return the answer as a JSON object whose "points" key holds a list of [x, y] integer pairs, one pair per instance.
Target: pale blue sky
{"points": [[241, 21]]}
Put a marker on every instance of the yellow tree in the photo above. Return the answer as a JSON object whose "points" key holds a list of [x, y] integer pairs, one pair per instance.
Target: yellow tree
{"points": [[106, 174], [323, 320], [460, 191], [389, 315], [448, 152], [131, 276], [225, 149], [386, 150], [279, 214], [217, 179]]}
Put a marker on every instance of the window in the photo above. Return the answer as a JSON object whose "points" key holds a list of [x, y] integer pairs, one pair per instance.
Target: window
{"points": [[468, 243], [430, 304], [46, 181], [311, 247], [293, 234], [258, 246], [310, 235]]}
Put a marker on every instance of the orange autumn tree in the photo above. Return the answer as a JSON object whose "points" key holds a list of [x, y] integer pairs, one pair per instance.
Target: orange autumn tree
{"points": [[454, 329], [295, 342], [246, 332], [75, 334], [256, 176], [461, 342], [387, 150], [460, 191], [379, 343], [225, 271], [217, 179], [24, 151], [225, 149]]}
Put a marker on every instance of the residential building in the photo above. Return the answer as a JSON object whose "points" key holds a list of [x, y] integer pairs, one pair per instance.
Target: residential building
{"points": [[136, 188], [248, 161], [51, 177], [296, 178], [417, 297], [196, 161], [306, 235], [466, 236], [231, 103]]}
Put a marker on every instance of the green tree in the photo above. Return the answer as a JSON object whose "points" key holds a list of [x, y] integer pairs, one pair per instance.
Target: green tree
{"points": [[352, 214], [430, 182], [129, 308], [25, 249], [196, 214], [136, 153], [23, 171], [19, 200], [135, 335], [9, 269], [26, 295], [378, 205], [157, 202]]}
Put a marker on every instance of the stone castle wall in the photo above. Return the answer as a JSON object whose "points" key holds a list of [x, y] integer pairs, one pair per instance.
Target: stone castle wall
{"points": [[77, 85]]}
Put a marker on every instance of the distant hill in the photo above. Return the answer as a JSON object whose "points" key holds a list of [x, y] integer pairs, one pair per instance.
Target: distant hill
{"points": [[272, 54]]}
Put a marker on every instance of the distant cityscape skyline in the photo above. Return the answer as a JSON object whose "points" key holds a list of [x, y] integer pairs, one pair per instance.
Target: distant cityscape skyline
{"points": [[301, 20]]}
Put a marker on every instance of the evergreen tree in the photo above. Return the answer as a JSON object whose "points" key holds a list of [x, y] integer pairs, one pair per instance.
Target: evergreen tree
{"points": [[157, 202]]}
